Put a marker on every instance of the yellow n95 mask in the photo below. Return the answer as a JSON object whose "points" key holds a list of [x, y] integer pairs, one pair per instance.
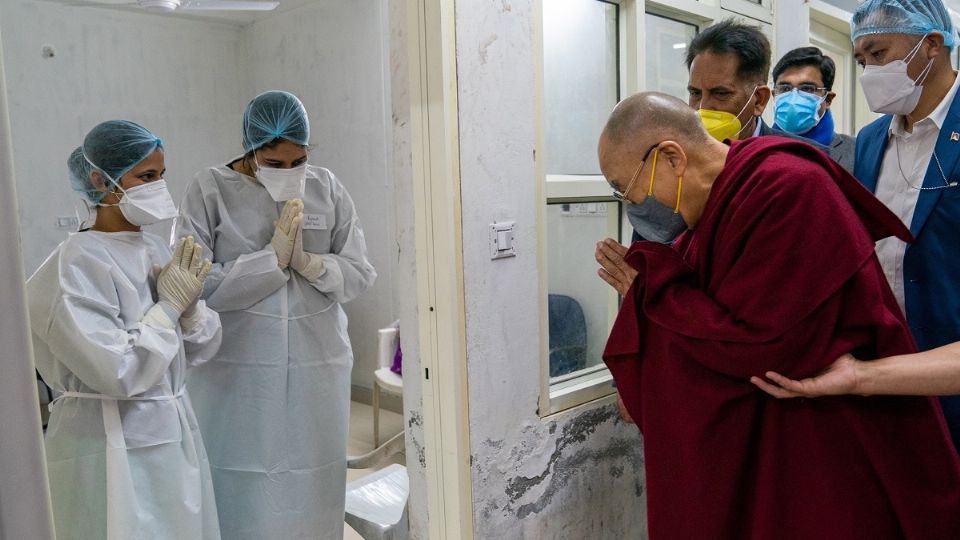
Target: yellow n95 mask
{"points": [[721, 124]]}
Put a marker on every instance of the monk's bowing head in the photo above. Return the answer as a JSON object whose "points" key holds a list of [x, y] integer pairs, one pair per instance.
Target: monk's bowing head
{"points": [[655, 145]]}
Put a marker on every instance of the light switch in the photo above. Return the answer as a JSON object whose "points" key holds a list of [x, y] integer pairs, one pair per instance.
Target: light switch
{"points": [[501, 240], [504, 240], [68, 223]]}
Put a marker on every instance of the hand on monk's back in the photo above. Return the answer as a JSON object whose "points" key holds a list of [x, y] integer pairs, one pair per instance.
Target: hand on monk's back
{"points": [[838, 379]]}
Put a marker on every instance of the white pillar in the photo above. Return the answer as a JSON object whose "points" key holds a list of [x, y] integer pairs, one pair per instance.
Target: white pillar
{"points": [[24, 495], [791, 26]]}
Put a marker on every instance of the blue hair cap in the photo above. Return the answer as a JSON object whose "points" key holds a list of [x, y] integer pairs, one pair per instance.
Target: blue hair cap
{"points": [[113, 148], [273, 115], [912, 17]]}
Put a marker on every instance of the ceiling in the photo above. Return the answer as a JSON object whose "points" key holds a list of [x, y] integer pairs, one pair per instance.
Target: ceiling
{"points": [[236, 17]]}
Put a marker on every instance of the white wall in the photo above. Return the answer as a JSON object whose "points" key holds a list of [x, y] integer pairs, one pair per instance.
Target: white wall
{"points": [[331, 54], [578, 474], [177, 77]]}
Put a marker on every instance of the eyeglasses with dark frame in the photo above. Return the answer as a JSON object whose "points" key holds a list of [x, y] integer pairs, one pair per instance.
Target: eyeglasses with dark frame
{"points": [[622, 195], [806, 88]]}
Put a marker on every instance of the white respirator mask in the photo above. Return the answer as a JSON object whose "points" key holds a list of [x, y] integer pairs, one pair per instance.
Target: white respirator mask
{"points": [[146, 204], [889, 89], [282, 184]]}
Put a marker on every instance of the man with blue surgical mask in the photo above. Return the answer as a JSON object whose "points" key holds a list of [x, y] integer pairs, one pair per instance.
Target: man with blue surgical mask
{"points": [[802, 94], [911, 159]]}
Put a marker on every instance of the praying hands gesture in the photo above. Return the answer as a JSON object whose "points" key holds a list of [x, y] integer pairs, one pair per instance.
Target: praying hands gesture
{"points": [[613, 269]]}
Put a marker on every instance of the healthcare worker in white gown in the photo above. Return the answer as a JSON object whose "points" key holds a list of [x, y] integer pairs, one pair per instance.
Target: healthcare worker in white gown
{"points": [[114, 335], [274, 403]]}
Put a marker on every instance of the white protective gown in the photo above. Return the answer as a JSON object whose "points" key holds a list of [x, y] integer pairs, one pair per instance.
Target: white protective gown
{"points": [[274, 403], [124, 452]]}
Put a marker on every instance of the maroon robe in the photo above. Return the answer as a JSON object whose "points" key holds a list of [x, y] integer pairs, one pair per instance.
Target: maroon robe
{"points": [[779, 274]]}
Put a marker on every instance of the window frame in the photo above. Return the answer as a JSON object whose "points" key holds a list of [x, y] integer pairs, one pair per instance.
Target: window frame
{"points": [[837, 19], [594, 382], [762, 12]]}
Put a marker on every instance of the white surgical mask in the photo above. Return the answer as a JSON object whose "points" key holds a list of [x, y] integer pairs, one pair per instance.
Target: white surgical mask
{"points": [[146, 204], [888, 88], [282, 184]]}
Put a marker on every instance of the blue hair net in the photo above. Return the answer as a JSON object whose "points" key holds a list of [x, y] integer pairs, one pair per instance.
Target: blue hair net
{"points": [[275, 115], [113, 148], [913, 17], [80, 169]]}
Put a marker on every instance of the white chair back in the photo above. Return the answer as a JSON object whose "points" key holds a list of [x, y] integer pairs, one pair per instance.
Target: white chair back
{"points": [[387, 346]]}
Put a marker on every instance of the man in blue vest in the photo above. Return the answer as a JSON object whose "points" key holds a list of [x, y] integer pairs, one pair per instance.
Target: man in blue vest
{"points": [[911, 159]]}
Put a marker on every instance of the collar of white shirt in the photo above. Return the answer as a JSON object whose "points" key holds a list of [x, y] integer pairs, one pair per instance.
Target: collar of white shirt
{"points": [[936, 117]]}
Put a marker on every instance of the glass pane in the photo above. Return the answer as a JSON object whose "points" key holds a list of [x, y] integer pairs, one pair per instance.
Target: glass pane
{"points": [[666, 44], [580, 304], [580, 81]]}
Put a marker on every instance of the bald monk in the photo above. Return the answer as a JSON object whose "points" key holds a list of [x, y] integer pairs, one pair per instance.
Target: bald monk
{"points": [[776, 271]]}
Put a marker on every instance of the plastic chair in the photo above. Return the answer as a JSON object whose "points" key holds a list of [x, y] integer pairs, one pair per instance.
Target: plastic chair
{"points": [[376, 505], [568, 335], [383, 378]]}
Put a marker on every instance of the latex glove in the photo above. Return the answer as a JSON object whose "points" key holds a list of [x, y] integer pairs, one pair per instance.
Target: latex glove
{"points": [[308, 265], [284, 232], [180, 283], [191, 318]]}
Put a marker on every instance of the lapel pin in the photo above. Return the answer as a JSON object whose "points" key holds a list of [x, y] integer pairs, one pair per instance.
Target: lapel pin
{"points": [[954, 136]]}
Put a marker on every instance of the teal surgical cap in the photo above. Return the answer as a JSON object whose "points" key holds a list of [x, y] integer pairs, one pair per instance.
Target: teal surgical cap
{"points": [[80, 169], [113, 147], [912, 17], [275, 115]]}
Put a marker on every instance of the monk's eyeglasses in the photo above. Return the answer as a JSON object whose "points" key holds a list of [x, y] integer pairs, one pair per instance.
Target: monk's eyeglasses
{"points": [[622, 195]]}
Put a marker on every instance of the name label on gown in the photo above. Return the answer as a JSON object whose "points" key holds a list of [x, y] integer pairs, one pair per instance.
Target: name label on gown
{"points": [[314, 221]]}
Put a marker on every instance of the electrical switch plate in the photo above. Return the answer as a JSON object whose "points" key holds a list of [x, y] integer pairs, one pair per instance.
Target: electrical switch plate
{"points": [[501, 240], [67, 223]]}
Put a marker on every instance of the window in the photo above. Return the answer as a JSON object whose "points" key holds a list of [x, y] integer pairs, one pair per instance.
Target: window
{"points": [[581, 85], [581, 81], [666, 45]]}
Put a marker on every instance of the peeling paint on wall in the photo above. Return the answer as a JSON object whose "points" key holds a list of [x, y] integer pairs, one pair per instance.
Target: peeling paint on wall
{"points": [[555, 475], [416, 424]]}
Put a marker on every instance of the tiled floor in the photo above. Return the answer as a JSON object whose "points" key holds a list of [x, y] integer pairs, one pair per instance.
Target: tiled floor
{"points": [[360, 441]]}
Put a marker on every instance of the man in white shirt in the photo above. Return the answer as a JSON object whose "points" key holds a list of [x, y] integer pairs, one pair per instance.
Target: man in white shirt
{"points": [[910, 158]]}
